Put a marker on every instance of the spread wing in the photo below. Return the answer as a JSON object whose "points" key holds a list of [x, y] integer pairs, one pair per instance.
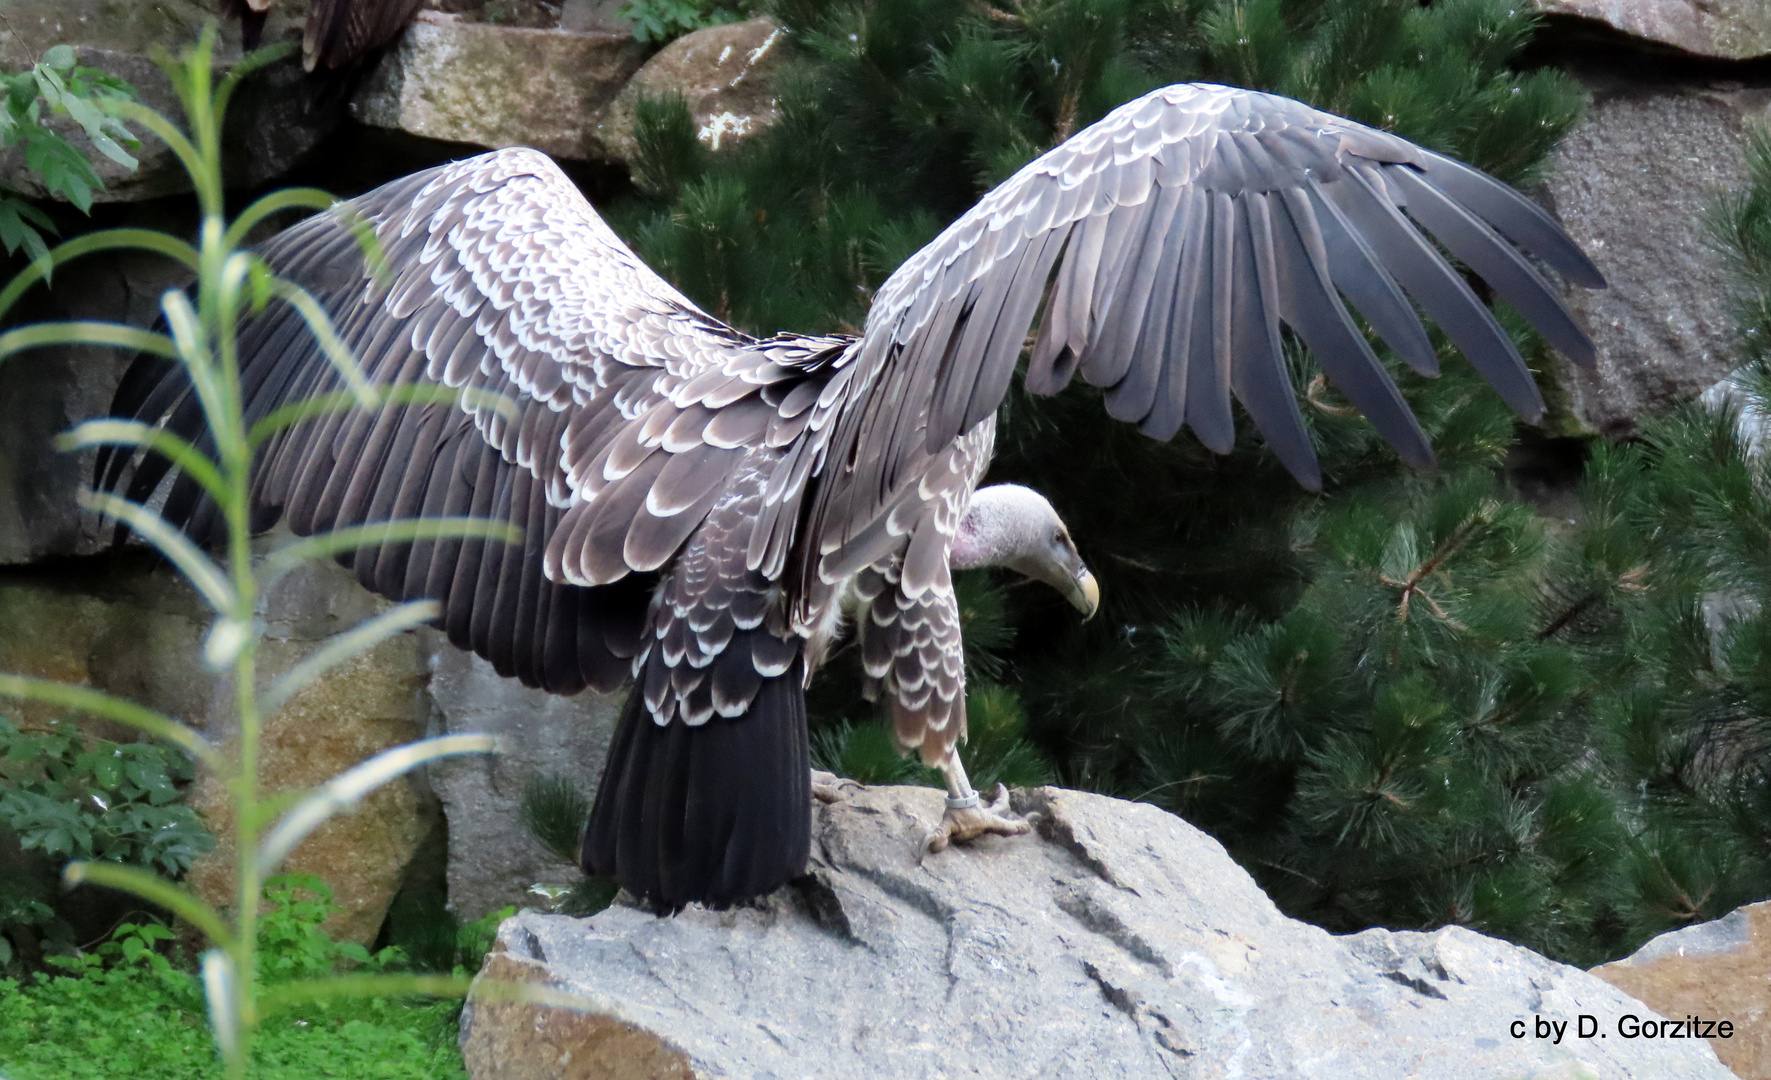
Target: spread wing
{"points": [[1184, 228], [629, 411]]}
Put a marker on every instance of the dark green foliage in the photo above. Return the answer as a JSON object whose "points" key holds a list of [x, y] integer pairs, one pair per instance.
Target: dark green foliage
{"points": [[1682, 640], [428, 937], [864, 753], [64, 798], [659, 21], [131, 1009], [997, 750], [1741, 223], [118, 801], [587, 896], [555, 813], [57, 85]]}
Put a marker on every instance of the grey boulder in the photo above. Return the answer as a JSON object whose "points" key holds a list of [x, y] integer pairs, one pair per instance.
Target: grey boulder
{"points": [[724, 74], [493, 860], [495, 86], [1118, 941], [1725, 29], [1632, 184]]}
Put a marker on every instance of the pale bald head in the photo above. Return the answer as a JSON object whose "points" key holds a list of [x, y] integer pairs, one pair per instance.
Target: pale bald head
{"points": [[1013, 526]]}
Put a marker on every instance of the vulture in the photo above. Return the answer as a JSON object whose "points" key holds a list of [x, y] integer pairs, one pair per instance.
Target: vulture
{"points": [[338, 34], [707, 512]]}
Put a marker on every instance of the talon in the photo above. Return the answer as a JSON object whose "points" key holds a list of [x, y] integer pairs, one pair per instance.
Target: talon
{"points": [[827, 787], [963, 824]]}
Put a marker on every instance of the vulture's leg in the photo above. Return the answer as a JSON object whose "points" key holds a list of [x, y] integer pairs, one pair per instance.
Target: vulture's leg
{"points": [[827, 787], [967, 818]]}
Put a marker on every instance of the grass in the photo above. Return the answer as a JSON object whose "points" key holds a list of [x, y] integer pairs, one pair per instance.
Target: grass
{"points": [[131, 1025], [134, 1009]]}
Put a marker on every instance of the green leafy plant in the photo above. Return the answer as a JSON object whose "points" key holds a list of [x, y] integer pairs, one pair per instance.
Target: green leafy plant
{"points": [[57, 85], [291, 943], [200, 334], [21, 913], [423, 927], [67, 799], [120, 802], [126, 1011], [656, 22]]}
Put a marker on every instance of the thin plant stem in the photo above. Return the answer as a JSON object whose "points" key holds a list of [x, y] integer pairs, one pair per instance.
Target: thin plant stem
{"points": [[202, 326]]}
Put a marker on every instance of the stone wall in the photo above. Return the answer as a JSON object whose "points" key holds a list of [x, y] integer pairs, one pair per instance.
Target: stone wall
{"points": [[126, 625], [1632, 183]]}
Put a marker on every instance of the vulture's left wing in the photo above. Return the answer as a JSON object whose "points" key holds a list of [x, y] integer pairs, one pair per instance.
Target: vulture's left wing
{"points": [[1184, 228], [502, 281]]}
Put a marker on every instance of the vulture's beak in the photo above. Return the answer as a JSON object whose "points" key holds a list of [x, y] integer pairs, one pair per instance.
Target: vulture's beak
{"points": [[1084, 592]]}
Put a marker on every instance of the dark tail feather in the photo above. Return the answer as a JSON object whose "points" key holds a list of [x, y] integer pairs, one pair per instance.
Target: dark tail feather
{"points": [[715, 814]]}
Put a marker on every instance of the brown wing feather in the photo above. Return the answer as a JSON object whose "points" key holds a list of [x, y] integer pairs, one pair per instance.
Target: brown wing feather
{"points": [[503, 282]]}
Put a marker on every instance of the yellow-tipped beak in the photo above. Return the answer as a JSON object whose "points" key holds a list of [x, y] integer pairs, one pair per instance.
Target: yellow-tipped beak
{"points": [[1086, 595]]}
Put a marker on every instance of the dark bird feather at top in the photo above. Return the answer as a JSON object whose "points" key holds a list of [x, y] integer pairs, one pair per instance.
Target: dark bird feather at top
{"points": [[702, 510], [338, 34]]}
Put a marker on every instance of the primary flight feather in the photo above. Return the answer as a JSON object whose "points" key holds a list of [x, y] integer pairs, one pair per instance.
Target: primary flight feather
{"points": [[707, 512]]}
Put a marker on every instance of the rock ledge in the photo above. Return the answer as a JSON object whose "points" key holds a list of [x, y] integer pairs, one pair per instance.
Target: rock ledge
{"points": [[1119, 942]]}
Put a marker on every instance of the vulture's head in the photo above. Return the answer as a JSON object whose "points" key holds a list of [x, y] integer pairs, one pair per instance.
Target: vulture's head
{"points": [[1009, 525]]}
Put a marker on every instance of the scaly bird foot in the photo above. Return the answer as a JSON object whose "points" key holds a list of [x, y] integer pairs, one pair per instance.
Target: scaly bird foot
{"points": [[959, 826], [830, 788]]}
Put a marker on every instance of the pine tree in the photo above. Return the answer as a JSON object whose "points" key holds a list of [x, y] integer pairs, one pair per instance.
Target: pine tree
{"points": [[1405, 702]]}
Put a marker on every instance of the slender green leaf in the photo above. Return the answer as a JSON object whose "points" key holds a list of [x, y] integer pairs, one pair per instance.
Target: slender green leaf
{"points": [[274, 203], [120, 710], [167, 133], [347, 788], [202, 571], [253, 61], [103, 240], [336, 350], [287, 995], [155, 890], [221, 987], [135, 433], [469, 398], [339, 541], [363, 231], [185, 323], [341, 647], [86, 333], [579, 1000]]}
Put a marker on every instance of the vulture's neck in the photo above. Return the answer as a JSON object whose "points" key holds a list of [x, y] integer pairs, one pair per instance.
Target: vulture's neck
{"points": [[1003, 523]]}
